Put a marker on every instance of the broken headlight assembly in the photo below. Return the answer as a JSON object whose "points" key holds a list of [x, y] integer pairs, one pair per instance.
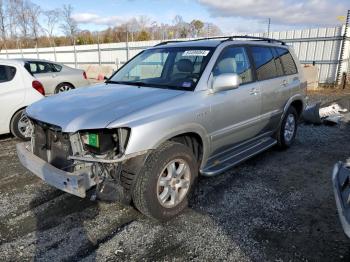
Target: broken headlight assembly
{"points": [[105, 141]]}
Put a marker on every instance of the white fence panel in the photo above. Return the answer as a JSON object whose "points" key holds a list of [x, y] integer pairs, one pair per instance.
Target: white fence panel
{"points": [[320, 46]]}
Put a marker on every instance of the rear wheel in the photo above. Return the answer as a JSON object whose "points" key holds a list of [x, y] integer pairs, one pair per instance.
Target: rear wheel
{"points": [[63, 87], [19, 124], [288, 129], [162, 188]]}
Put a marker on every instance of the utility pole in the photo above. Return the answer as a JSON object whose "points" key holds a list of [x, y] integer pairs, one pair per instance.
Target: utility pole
{"points": [[342, 49], [208, 32]]}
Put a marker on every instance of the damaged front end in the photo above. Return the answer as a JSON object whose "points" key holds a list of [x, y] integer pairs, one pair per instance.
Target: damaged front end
{"points": [[75, 162]]}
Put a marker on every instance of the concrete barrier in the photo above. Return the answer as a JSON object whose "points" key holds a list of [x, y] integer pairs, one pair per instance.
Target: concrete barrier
{"points": [[311, 75]]}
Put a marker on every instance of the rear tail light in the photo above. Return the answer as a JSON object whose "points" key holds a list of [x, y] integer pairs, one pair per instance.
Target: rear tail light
{"points": [[84, 75], [38, 87]]}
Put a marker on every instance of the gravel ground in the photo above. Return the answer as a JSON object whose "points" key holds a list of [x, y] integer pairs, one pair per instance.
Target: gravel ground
{"points": [[278, 206]]}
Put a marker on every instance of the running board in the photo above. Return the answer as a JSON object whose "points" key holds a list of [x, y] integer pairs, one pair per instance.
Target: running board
{"points": [[235, 155]]}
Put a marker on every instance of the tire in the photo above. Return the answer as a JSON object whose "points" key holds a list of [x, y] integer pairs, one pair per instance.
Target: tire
{"points": [[286, 133], [63, 87], [16, 125], [148, 193]]}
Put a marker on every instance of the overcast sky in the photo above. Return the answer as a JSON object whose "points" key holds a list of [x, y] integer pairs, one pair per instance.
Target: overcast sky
{"points": [[229, 15]]}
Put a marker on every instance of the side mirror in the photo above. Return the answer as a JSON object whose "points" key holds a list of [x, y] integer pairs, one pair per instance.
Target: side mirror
{"points": [[225, 82], [105, 78]]}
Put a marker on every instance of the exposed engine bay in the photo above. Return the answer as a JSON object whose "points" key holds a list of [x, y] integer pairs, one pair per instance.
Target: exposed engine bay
{"points": [[101, 151]]}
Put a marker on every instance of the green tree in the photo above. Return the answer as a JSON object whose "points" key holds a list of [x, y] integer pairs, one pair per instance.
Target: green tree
{"points": [[197, 26]]}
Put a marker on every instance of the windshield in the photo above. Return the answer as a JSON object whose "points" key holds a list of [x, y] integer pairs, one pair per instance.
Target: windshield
{"points": [[171, 68]]}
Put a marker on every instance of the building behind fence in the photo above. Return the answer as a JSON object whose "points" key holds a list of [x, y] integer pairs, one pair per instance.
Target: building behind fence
{"points": [[327, 48]]}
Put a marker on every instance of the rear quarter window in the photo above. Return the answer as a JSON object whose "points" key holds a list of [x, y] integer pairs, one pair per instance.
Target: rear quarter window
{"points": [[7, 73], [56, 68]]}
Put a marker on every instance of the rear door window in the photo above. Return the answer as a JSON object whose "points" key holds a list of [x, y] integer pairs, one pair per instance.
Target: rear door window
{"points": [[7, 73], [264, 62], [287, 61], [38, 67]]}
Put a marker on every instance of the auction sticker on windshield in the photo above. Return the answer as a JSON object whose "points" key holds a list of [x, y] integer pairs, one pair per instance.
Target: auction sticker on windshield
{"points": [[196, 53]]}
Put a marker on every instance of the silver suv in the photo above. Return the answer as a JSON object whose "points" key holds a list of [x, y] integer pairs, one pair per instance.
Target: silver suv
{"points": [[176, 110]]}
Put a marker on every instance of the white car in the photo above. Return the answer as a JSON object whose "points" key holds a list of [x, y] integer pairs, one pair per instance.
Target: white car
{"points": [[55, 77], [18, 89]]}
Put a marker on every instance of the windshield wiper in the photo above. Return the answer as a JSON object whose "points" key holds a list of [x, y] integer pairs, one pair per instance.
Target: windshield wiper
{"points": [[133, 83], [139, 84]]}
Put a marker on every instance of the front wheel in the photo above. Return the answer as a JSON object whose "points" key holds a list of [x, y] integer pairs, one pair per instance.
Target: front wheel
{"points": [[162, 188], [288, 129]]}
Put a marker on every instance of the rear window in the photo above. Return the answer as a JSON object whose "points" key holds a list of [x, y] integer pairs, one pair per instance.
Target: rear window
{"points": [[264, 62], [288, 63], [7, 73]]}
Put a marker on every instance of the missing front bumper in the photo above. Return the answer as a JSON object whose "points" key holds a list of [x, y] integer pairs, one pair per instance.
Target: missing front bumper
{"points": [[76, 183]]}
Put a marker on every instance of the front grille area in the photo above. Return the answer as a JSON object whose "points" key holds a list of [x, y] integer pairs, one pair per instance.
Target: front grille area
{"points": [[53, 146]]}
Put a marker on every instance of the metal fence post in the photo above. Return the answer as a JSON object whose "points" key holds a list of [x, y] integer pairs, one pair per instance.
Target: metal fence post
{"points": [[98, 49], [127, 44], [75, 54], [54, 53], [37, 51]]}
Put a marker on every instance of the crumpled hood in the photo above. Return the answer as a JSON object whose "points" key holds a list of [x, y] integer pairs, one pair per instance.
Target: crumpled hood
{"points": [[97, 106]]}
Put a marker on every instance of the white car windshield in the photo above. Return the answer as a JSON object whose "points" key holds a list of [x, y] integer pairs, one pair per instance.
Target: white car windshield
{"points": [[171, 67]]}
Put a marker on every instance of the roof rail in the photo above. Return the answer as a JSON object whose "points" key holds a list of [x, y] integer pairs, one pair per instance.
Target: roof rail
{"points": [[171, 41], [270, 40], [226, 38]]}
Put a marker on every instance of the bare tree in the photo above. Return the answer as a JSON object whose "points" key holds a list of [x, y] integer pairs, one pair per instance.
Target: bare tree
{"points": [[34, 12], [69, 25], [12, 19], [51, 19], [182, 29], [3, 22], [22, 15]]}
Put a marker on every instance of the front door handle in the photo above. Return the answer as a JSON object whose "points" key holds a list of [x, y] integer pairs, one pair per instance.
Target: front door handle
{"points": [[285, 82]]}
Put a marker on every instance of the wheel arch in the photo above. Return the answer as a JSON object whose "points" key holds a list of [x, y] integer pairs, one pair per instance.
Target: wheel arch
{"points": [[298, 105], [192, 140], [298, 102], [10, 123]]}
